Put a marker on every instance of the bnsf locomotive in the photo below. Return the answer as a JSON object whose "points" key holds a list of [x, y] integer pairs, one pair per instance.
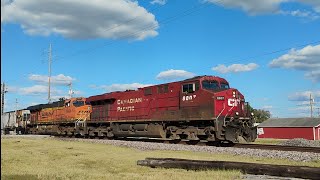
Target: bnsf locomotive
{"points": [[200, 108]]}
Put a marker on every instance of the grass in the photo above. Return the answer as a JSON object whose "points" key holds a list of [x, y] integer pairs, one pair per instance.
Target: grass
{"points": [[268, 141], [23, 158]]}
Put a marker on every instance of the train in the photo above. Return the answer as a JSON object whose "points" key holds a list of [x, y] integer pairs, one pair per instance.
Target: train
{"points": [[202, 108]]}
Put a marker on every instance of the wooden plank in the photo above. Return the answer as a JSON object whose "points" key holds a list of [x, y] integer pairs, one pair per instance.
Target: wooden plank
{"points": [[248, 168]]}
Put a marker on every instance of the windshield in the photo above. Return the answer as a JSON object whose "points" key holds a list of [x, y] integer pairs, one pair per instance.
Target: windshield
{"points": [[210, 85], [224, 86], [78, 103]]}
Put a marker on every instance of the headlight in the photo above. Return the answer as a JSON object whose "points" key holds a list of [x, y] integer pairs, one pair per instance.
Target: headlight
{"points": [[237, 113], [252, 114]]}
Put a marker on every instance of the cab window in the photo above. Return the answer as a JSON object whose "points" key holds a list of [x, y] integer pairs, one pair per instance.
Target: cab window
{"points": [[67, 104], [147, 91], [190, 87], [78, 103], [210, 85], [224, 85], [26, 117]]}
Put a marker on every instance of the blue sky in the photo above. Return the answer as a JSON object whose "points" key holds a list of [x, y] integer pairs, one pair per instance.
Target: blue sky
{"points": [[268, 49]]}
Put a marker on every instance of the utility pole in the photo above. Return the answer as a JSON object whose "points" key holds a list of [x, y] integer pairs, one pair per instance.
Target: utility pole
{"points": [[70, 90], [16, 104], [49, 75], [311, 105], [16, 108], [3, 91]]}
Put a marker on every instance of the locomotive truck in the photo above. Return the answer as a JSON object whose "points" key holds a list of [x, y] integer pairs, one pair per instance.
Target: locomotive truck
{"points": [[199, 108]]}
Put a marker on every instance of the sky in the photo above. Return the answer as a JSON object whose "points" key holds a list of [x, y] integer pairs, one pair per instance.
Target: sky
{"points": [[268, 49]]}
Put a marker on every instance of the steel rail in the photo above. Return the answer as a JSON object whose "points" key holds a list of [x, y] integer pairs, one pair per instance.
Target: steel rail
{"points": [[234, 145], [279, 147]]}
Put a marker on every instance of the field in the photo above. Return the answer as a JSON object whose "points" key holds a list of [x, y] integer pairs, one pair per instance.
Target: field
{"points": [[48, 158]]}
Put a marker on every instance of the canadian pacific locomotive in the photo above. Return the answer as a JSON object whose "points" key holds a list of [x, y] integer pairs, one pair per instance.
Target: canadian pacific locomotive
{"points": [[199, 108]]}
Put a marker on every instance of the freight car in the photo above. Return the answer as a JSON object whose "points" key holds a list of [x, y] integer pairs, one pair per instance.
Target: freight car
{"points": [[199, 108], [15, 121]]}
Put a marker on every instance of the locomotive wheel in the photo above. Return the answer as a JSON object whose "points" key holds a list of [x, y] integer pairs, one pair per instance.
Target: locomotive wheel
{"points": [[193, 142]]}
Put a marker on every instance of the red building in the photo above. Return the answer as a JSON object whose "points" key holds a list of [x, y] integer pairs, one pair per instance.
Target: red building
{"points": [[290, 128]]}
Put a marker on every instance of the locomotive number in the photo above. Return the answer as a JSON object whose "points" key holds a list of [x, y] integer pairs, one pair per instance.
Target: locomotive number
{"points": [[188, 98]]}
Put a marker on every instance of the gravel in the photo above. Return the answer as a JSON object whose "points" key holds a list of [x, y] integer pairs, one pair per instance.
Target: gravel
{"points": [[26, 136], [300, 142], [263, 177], [149, 146]]}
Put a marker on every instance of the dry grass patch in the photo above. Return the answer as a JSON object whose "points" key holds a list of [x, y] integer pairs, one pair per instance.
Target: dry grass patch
{"points": [[55, 159]]}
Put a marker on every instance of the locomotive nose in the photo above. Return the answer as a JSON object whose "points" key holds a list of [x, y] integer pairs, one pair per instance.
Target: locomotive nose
{"points": [[235, 101]]}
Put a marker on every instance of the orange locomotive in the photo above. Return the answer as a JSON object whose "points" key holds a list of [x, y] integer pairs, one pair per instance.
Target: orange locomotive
{"points": [[68, 112]]}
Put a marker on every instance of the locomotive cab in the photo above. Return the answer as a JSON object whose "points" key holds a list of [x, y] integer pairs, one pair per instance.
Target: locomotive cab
{"points": [[77, 108], [210, 97]]}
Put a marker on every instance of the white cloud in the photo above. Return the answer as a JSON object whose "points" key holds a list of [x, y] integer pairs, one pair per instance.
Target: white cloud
{"points": [[57, 97], [267, 107], [120, 87], [33, 90], [254, 7], [302, 100], [10, 89], [301, 13], [306, 59], [302, 108], [251, 6], [81, 19], [314, 3], [39, 90], [160, 2], [235, 68], [304, 96], [313, 75], [58, 80], [173, 74]]}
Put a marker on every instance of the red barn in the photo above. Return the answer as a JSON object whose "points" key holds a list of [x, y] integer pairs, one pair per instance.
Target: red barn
{"points": [[290, 128]]}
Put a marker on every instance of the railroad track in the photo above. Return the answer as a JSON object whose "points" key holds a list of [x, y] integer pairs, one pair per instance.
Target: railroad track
{"points": [[278, 147], [240, 145]]}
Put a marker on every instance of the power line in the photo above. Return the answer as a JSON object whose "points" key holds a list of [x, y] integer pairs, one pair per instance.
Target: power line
{"points": [[168, 20], [274, 52], [49, 73]]}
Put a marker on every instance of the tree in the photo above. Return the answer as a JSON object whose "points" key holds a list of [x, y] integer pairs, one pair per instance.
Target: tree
{"points": [[260, 114]]}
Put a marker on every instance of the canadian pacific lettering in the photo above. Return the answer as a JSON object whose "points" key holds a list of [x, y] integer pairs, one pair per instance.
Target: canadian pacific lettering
{"points": [[126, 108], [127, 101]]}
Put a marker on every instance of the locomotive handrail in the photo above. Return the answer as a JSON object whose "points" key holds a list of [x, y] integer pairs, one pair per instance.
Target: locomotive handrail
{"points": [[224, 107], [224, 119]]}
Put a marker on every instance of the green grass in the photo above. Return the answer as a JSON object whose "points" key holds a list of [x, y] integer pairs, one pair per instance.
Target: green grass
{"points": [[23, 158], [268, 141]]}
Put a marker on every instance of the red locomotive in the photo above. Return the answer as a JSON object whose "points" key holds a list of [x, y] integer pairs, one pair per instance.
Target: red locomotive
{"points": [[200, 108]]}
